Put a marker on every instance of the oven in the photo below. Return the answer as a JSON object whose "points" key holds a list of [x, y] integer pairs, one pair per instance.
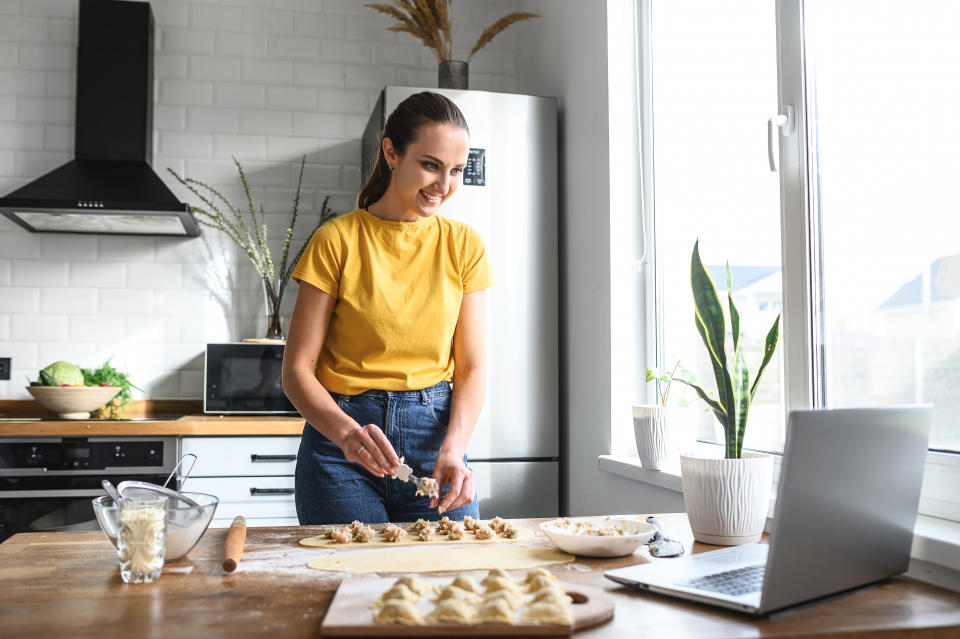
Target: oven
{"points": [[47, 484]]}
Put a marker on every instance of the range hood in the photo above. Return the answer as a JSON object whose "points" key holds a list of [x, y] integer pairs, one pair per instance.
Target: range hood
{"points": [[110, 186]]}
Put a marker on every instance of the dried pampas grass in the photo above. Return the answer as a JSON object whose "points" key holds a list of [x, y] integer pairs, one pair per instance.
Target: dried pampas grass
{"points": [[429, 21]]}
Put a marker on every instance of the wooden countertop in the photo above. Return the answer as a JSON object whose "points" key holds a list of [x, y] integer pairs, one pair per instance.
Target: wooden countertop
{"points": [[153, 418], [68, 584]]}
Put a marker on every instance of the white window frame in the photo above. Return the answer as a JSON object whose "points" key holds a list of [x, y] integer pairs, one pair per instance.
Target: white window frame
{"points": [[800, 333]]}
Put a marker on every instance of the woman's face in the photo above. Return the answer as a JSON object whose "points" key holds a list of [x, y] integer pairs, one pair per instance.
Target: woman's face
{"points": [[429, 172]]}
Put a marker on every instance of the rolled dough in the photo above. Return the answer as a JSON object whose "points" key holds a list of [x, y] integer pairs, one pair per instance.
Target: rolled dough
{"points": [[523, 534], [440, 559]]}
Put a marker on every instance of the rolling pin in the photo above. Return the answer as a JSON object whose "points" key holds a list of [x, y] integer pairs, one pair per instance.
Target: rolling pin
{"points": [[233, 543]]}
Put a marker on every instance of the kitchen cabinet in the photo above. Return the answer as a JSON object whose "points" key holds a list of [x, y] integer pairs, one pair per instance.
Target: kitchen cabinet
{"points": [[252, 476]]}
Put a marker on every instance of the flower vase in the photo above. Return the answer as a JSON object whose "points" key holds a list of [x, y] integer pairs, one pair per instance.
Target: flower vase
{"points": [[454, 74], [272, 301]]}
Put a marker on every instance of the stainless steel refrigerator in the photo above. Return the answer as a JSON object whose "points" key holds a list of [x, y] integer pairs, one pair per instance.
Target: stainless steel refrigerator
{"points": [[509, 195]]}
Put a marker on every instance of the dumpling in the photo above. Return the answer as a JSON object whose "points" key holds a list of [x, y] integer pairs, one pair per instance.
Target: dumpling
{"points": [[396, 591], [413, 583], [466, 582], [499, 583], [452, 610], [496, 611], [452, 592], [399, 611], [551, 595], [539, 571], [538, 582], [495, 572], [511, 598], [547, 612]]}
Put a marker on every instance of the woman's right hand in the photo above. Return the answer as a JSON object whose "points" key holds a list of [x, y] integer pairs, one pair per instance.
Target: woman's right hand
{"points": [[369, 447]]}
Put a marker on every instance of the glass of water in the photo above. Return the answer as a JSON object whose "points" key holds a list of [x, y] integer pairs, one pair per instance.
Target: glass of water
{"points": [[142, 538]]}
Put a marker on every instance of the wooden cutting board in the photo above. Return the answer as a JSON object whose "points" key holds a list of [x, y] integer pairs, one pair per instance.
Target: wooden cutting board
{"points": [[350, 614]]}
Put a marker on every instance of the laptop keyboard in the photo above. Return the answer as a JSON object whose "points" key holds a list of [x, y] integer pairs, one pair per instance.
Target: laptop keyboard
{"points": [[740, 581]]}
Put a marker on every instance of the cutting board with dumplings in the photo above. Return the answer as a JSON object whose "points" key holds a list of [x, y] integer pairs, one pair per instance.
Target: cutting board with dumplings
{"points": [[351, 614]]}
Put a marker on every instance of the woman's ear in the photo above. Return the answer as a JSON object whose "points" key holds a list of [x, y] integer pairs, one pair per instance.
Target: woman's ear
{"points": [[389, 153]]}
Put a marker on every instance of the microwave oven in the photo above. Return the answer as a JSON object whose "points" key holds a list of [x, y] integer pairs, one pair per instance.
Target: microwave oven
{"points": [[243, 378]]}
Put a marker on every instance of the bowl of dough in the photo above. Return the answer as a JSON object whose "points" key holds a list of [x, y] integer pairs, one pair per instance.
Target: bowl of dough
{"points": [[598, 536], [185, 524]]}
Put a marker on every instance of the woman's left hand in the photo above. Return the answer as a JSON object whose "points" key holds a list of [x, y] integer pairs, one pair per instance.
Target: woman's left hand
{"points": [[450, 469]]}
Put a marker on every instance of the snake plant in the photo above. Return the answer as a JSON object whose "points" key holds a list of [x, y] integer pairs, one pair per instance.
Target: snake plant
{"points": [[734, 390]]}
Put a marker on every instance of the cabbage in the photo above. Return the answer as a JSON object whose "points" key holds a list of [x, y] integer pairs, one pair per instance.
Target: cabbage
{"points": [[65, 373]]}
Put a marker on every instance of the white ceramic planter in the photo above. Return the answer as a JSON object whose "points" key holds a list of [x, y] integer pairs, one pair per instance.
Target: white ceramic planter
{"points": [[652, 433], [727, 499]]}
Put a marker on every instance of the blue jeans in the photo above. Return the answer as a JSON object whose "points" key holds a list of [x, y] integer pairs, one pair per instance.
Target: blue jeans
{"points": [[332, 490]]}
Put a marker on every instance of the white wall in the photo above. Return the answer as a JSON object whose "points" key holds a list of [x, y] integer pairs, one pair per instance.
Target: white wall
{"points": [[568, 54], [264, 80]]}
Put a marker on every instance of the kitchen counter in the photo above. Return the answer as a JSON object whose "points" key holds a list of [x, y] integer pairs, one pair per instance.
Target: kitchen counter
{"points": [[68, 584], [24, 418]]}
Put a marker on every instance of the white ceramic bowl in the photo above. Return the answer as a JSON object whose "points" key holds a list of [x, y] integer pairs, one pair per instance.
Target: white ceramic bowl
{"points": [[73, 402], [569, 534]]}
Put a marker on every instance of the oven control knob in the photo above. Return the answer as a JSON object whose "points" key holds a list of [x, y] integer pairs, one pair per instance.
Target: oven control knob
{"points": [[118, 454], [153, 455], [35, 456]]}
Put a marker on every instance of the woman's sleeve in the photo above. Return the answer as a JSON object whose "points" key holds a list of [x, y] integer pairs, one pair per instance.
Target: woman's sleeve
{"points": [[477, 271], [322, 261]]}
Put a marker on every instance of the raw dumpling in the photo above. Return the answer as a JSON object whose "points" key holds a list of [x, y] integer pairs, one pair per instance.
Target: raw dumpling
{"points": [[539, 571], [453, 611], [512, 599], [499, 583], [466, 582], [551, 595], [546, 612], [452, 592], [539, 581], [396, 591], [413, 583], [496, 611], [495, 572], [399, 611]]}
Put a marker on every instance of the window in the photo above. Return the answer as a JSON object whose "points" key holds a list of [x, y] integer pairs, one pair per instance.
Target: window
{"points": [[854, 237]]}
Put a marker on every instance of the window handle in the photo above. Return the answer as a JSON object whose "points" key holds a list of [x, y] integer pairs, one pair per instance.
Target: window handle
{"points": [[784, 122]]}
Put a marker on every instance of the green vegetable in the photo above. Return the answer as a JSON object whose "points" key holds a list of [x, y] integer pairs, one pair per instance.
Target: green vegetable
{"points": [[109, 376], [62, 373], [46, 379]]}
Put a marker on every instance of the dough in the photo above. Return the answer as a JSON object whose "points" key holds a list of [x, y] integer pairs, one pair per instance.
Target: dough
{"points": [[396, 591], [440, 559], [453, 611], [496, 611], [405, 539], [414, 584], [546, 612], [499, 583], [399, 611], [466, 582], [453, 592], [550, 595], [539, 582], [511, 598], [539, 571]]}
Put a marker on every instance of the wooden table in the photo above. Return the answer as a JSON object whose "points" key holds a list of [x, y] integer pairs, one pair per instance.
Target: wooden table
{"points": [[68, 584]]}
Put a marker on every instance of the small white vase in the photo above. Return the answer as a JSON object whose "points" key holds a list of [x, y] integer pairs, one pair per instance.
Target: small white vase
{"points": [[651, 429], [727, 499]]}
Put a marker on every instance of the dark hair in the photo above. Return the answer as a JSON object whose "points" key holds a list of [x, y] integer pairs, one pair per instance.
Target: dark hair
{"points": [[402, 128]]}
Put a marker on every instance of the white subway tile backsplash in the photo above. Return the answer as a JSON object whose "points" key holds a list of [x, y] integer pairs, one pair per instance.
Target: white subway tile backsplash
{"points": [[62, 31], [205, 67], [24, 356], [291, 98], [4, 330], [95, 328], [217, 18], [417, 77], [242, 147], [8, 163], [184, 251], [38, 328], [267, 71], [119, 248], [289, 149], [46, 110], [346, 6], [126, 301], [20, 299], [170, 117], [61, 85], [9, 55], [320, 125], [244, 45], [268, 21], [320, 25], [47, 57], [268, 122], [179, 303], [187, 92], [66, 246], [372, 28], [49, 8], [4, 272], [370, 78], [346, 51], [319, 75], [23, 29], [184, 144], [36, 163], [39, 273], [293, 47], [97, 274], [170, 65], [322, 176], [154, 275], [22, 83], [191, 384], [160, 384], [407, 55], [212, 119], [345, 101], [83, 354], [353, 125], [8, 108], [174, 40], [180, 356], [68, 301], [149, 329], [58, 138], [240, 95], [170, 15]]}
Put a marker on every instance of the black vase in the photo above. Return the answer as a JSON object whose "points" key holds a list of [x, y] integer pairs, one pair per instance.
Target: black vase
{"points": [[454, 74]]}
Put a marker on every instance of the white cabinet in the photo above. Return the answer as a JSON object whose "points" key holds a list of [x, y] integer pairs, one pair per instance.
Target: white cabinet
{"points": [[252, 476]]}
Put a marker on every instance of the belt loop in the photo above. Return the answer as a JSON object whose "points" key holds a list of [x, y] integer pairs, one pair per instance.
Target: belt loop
{"points": [[424, 398]]}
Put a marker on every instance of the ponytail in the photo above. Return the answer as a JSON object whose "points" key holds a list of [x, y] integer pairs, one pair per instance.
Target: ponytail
{"points": [[402, 128]]}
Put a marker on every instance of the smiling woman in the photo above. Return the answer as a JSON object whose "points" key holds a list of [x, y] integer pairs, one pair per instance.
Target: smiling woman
{"points": [[389, 313]]}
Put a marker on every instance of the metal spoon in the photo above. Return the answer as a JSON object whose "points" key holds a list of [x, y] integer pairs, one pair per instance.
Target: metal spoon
{"points": [[111, 491]]}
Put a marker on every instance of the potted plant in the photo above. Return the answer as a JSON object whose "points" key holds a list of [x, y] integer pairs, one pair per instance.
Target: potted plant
{"points": [[429, 20], [655, 426], [251, 236], [726, 498]]}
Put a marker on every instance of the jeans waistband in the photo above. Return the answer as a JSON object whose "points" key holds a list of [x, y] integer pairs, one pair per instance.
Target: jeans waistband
{"points": [[437, 390]]}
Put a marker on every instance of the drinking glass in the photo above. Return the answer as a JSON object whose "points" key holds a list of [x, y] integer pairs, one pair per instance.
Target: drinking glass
{"points": [[142, 538]]}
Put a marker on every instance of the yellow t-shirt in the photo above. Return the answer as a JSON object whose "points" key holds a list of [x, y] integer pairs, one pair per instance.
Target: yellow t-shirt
{"points": [[398, 287]]}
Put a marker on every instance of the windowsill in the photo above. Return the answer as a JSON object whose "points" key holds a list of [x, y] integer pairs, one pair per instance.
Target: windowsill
{"points": [[935, 540]]}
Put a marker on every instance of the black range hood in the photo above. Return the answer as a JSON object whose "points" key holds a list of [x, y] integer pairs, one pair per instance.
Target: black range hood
{"points": [[110, 186]]}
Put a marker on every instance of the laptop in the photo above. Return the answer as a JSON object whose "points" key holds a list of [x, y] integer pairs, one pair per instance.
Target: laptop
{"points": [[846, 509]]}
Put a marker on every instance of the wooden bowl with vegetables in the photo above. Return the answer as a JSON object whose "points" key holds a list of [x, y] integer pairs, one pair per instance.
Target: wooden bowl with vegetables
{"points": [[73, 402], [73, 392]]}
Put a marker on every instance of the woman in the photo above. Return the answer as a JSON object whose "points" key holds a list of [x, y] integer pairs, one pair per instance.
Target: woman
{"points": [[389, 312]]}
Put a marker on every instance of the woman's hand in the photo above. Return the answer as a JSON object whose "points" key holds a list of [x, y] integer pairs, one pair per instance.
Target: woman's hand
{"points": [[370, 448], [450, 468]]}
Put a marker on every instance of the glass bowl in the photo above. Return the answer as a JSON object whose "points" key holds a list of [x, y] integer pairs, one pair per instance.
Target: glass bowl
{"points": [[578, 535], [185, 524]]}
